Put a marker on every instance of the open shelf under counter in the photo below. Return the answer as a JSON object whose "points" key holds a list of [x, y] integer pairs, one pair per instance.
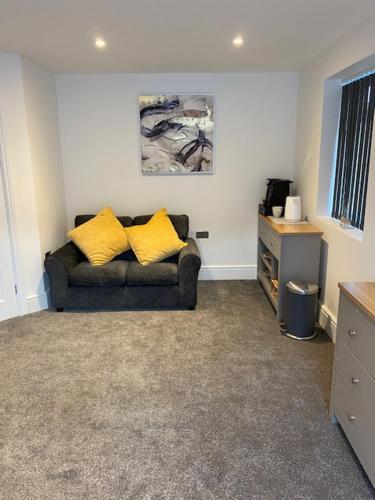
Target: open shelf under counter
{"points": [[266, 283], [295, 255], [267, 262]]}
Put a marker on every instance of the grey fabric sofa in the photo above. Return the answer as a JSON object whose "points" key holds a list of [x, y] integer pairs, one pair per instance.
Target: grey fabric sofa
{"points": [[124, 283]]}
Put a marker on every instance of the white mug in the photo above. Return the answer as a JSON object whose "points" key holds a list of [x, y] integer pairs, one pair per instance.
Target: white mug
{"points": [[277, 211]]}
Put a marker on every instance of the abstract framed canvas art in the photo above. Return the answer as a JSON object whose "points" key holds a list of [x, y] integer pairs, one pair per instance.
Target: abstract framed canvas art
{"points": [[177, 133]]}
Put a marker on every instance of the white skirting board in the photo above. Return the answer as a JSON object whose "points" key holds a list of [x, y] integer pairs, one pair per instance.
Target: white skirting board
{"points": [[36, 303], [327, 321], [240, 272]]}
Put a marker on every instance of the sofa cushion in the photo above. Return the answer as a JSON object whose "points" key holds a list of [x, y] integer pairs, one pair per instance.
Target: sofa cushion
{"points": [[156, 240], [101, 238], [128, 255], [180, 223], [81, 219], [160, 273], [111, 274]]}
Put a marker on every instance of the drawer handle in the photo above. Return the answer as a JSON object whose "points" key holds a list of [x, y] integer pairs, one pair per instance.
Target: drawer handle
{"points": [[351, 418], [355, 380], [352, 333]]}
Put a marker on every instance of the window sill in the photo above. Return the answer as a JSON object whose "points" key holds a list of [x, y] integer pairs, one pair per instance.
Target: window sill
{"points": [[352, 232]]}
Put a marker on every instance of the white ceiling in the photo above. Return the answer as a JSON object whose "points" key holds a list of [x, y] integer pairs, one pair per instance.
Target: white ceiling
{"points": [[175, 35]]}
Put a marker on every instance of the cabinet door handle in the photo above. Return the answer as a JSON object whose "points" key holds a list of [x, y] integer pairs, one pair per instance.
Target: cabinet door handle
{"points": [[355, 380], [352, 333], [351, 418]]}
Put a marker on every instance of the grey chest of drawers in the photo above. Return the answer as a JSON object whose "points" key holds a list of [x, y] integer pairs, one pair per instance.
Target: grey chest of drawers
{"points": [[353, 383]]}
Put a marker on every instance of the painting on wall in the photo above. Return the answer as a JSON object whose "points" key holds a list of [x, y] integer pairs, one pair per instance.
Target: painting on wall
{"points": [[177, 133]]}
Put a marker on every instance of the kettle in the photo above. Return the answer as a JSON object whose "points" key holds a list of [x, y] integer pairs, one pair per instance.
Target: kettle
{"points": [[293, 209]]}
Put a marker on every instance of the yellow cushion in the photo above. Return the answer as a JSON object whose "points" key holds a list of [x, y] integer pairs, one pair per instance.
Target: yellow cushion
{"points": [[101, 238], [156, 240]]}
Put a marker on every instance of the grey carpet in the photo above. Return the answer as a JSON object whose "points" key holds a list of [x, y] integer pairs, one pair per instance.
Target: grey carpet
{"points": [[210, 404]]}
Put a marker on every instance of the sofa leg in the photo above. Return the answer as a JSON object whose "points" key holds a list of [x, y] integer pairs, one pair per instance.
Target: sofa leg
{"points": [[59, 309], [192, 308]]}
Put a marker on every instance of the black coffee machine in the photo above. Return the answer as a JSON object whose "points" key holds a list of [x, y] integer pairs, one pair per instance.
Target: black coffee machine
{"points": [[277, 191]]}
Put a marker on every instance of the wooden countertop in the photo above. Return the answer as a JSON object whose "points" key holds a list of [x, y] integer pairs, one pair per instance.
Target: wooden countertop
{"points": [[362, 294], [290, 229]]}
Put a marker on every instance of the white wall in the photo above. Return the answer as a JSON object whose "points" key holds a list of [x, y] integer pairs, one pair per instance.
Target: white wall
{"points": [[254, 139], [345, 258], [29, 126], [19, 168], [42, 125]]}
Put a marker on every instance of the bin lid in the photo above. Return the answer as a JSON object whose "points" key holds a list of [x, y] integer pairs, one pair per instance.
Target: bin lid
{"points": [[302, 287]]}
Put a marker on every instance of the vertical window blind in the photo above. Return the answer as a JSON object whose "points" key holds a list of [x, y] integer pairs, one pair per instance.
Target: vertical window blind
{"points": [[353, 150]]}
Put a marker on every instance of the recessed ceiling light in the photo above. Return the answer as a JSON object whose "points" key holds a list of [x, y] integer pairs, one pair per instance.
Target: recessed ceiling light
{"points": [[237, 41], [100, 43]]}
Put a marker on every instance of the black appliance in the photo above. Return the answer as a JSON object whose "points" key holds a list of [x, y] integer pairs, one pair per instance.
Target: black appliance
{"points": [[277, 191]]}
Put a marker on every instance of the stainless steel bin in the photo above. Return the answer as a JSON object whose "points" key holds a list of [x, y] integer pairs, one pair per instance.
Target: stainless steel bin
{"points": [[301, 307]]}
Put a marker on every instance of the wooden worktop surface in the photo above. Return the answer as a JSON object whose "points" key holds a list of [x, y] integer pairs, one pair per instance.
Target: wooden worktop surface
{"points": [[290, 229], [362, 294]]}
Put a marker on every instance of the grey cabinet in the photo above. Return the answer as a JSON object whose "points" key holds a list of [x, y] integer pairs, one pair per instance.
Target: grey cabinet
{"points": [[286, 252], [353, 383]]}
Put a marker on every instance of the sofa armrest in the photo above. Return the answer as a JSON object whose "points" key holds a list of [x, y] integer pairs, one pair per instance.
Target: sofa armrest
{"points": [[189, 256], [189, 264], [58, 264]]}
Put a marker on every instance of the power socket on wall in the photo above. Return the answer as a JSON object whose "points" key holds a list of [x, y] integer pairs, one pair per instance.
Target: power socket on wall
{"points": [[202, 234]]}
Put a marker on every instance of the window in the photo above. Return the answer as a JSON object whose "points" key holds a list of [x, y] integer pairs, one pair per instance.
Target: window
{"points": [[353, 150]]}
